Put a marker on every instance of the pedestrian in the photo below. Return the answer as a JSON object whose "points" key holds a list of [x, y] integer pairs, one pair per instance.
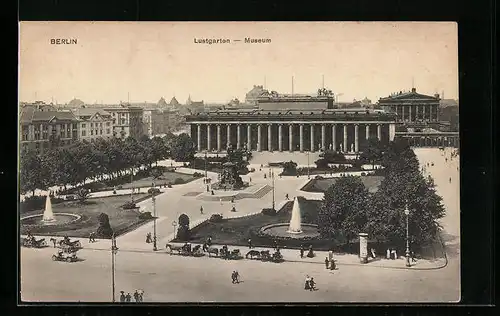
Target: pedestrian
{"points": [[208, 188], [209, 241], [333, 266], [201, 210], [250, 179], [373, 253], [136, 296], [450, 180], [249, 243], [286, 196], [122, 297], [128, 298], [412, 256], [326, 262], [311, 284], [220, 200], [53, 241], [301, 252], [307, 284], [275, 243], [148, 238], [394, 254], [141, 297], [330, 255], [388, 254]]}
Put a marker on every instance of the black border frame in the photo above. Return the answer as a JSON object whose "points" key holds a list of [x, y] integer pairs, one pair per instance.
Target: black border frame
{"points": [[476, 22]]}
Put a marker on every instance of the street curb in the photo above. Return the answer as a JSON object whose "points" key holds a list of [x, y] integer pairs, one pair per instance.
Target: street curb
{"points": [[162, 251]]}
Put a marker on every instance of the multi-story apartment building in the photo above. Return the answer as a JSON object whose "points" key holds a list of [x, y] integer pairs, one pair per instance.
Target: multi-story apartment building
{"points": [[42, 127], [126, 120], [94, 123]]}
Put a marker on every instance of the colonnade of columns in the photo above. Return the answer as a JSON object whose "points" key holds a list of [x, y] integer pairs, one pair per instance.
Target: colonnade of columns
{"points": [[277, 133]]}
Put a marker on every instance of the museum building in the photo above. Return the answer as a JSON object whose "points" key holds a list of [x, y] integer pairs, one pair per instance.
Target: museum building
{"points": [[291, 123]]}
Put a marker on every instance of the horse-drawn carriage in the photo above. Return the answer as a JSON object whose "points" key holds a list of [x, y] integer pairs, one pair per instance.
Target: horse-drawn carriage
{"points": [[265, 255], [65, 256], [32, 242], [184, 250], [67, 244], [234, 254]]}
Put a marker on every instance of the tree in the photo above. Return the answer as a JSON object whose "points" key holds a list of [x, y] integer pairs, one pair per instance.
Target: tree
{"points": [[104, 230], [372, 151], [236, 156], [332, 156], [321, 163], [30, 170], [183, 148], [289, 168], [183, 232], [343, 212], [156, 173]]}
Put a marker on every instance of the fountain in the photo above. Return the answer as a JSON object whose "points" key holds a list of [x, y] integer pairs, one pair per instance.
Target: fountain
{"points": [[48, 215], [295, 221], [294, 229]]}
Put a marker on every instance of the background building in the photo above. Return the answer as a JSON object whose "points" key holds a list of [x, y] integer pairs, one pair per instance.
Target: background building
{"points": [[43, 128], [127, 120], [93, 123], [253, 95]]}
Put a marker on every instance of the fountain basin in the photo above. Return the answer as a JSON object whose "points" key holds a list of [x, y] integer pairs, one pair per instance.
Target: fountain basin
{"points": [[308, 231], [59, 219]]}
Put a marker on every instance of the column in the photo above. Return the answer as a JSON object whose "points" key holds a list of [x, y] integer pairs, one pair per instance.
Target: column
{"points": [[345, 148], [228, 134], [323, 136], [301, 137], [403, 113], [437, 113], [199, 137], [269, 138], [409, 112], [379, 132], [392, 132], [218, 138], [208, 138], [312, 138], [290, 137], [280, 137], [238, 136], [249, 137], [334, 137], [259, 138], [356, 138], [423, 114], [367, 131]]}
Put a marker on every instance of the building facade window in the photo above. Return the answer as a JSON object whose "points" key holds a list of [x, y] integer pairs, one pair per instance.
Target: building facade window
{"points": [[107, 131], [91, 132], [84, 133], [84, 126]]}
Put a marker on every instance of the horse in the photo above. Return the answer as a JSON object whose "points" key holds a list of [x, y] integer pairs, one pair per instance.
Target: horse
{"points": [[53, 241], [252, 253], [170, 248], [212, 250], [196, 249], [265, 254]]}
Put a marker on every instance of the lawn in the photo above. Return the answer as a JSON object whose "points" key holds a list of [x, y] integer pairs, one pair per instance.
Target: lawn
{"points": [[140, 180], [121, 220], [237, 231], [372, 183]]}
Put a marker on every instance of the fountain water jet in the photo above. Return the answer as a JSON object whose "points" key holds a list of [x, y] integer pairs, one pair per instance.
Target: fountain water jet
{"points": [[295, 226], [48, 215]]}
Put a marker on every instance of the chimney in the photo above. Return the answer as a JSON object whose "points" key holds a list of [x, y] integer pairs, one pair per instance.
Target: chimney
{"points": [[413, 90], [436, 95]]}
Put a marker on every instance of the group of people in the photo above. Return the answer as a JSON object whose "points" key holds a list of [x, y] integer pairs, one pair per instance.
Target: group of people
{"points": [[150, 239], [138, 296], [235, 277], [310, 253], [310, 284], [92, 237]]}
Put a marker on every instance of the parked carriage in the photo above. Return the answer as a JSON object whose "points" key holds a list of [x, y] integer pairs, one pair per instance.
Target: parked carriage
{"points": [[184, 250], [69, 246], [235, 254], [65, 256], [32, 242]]}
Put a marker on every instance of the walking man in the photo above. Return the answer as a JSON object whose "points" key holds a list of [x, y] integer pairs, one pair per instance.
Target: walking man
{"points": [[122, 297], [136, 296], [286, 196], [301, 251], [128, 298], [249, 243], [326, 262], [201, 210]]}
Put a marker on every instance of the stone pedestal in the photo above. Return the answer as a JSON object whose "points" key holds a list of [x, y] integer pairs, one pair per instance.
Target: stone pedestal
{"points": [[363, 247]]}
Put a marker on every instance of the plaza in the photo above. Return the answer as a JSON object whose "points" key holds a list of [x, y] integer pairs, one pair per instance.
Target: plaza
{"points": [[166, 278]]}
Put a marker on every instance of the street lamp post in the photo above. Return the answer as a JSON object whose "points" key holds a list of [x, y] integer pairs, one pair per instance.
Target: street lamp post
{"points": [[114, 249], [407, 213], [174, 223], [206, 173], [272, 176], [308, 168], [154, 221]]}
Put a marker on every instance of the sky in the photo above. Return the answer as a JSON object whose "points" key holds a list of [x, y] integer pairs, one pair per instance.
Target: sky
{"points": [[144, 61]]}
